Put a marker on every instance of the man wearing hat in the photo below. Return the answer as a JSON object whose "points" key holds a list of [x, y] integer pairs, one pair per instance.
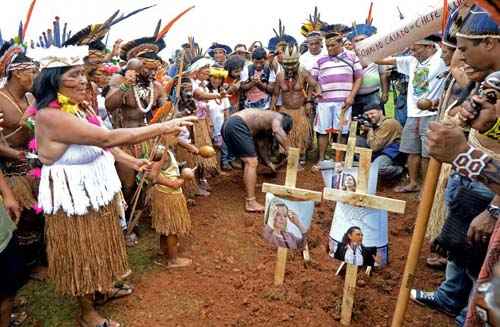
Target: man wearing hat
{"points": [[426, 71], [340, 75]]}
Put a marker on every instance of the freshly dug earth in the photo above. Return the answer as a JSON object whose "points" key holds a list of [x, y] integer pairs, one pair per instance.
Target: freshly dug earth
{"points": [[231, 280]]}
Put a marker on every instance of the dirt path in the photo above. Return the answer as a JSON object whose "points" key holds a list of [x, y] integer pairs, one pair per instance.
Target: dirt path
{"points": [[230, 283]]}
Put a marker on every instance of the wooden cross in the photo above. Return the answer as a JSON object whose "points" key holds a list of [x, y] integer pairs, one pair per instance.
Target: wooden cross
{"points": [[359, 198], [289, 190]]}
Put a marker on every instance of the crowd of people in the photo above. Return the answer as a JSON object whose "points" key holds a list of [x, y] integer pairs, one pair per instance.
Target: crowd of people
{"points": [[85, 129]]}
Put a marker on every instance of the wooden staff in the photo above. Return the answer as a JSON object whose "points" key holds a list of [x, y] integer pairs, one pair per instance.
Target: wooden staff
{"points": [[135, 198], [423, 213]]}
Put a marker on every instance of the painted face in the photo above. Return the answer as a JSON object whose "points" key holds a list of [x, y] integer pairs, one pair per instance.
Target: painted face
{"points": [[291, 69], [219, 55], [314, 46], [280, 218], [356, 237], [149, 68], [73, 84], [334, 46], [95, 57], [100, 76]]}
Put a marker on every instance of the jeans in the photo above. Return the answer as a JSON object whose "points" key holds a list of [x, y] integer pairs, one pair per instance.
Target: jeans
{"points": [[453, 293], [401, 110], [387, 170], [226, 155], [456, 180]]}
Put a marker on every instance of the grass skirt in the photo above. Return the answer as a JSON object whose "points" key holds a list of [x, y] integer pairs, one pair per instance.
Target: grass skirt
{"points": [[301, 131], [201, 133], [85, 253], [439, 210], [23, 188], [170, 215]]}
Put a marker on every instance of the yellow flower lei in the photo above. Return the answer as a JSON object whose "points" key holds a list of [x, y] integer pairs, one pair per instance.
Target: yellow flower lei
{"points": [[67, 105]]}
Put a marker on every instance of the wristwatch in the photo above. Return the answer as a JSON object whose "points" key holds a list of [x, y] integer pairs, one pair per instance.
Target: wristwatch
{"points": [[471, 163], [494, 211]]}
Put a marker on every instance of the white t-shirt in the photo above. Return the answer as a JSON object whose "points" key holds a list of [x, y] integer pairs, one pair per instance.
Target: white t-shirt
{"points": [[426, 80], [307, 60]]}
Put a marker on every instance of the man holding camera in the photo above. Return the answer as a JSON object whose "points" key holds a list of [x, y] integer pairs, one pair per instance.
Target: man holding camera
{"points": [[382, 136]]}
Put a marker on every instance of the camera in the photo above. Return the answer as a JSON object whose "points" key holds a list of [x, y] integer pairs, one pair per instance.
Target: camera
{"points": [[363, 121]]}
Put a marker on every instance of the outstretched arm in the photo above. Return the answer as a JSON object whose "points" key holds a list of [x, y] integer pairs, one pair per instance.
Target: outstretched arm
{"points": [[63, 128], [386, 61]]}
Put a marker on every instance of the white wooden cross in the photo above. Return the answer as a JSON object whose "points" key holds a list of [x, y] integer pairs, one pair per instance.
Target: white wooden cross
{"points": [[359, 198], [289, 190]]}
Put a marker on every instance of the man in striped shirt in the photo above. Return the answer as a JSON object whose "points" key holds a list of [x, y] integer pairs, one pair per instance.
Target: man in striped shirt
{"points": [[340, 76]]}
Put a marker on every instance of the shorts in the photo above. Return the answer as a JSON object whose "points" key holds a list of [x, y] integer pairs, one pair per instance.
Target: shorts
{"points": [[414, 135], [13, 274], [238, 137], [328, 117]]}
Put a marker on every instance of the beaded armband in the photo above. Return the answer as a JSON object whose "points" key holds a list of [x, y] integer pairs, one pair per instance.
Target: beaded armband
{"points": [[471, 163]]}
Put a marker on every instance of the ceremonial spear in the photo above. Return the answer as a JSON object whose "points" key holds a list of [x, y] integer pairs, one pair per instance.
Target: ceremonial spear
{"points": [[159, 34]]}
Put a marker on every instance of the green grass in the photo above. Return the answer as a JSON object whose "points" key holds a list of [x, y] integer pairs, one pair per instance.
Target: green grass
{"points": [[47, 309]]}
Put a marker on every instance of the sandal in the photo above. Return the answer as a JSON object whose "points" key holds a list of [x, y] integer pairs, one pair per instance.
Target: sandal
{"points": [[119, 290]]}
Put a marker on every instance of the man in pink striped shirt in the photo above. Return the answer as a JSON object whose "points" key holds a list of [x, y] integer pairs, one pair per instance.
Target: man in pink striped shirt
{"points": [[340, 75]]}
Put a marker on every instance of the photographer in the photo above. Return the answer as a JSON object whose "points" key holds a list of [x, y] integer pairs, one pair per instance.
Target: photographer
{"points": [[259, 82], [382, 136]]}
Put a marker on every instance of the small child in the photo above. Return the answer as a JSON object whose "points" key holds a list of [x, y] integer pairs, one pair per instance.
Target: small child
{"points": [[170, 216]]}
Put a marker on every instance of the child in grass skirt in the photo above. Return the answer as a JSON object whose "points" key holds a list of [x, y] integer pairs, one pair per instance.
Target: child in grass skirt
{"points": [[170, 216]]}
